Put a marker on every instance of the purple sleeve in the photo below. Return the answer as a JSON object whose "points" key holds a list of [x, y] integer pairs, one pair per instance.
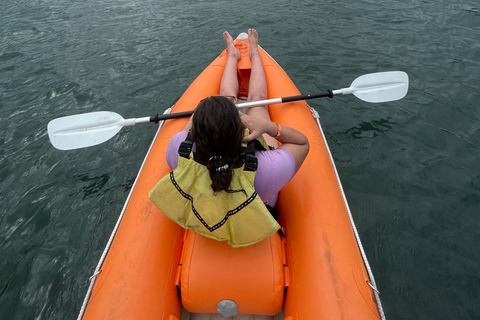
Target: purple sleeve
{"points": [[275, 169], [172, 149]]}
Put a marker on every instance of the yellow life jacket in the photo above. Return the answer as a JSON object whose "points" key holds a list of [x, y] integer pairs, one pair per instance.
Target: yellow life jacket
{"points": [[240, 217]]}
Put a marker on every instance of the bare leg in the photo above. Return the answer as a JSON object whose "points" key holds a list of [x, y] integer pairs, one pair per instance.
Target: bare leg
{"points": [[229, 83], [258, 84]]}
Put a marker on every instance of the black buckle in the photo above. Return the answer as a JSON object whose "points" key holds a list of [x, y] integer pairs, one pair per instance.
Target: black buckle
{"points": [[185, 149], [251, 162]]}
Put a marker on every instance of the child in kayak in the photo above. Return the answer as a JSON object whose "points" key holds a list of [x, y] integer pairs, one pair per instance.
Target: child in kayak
{"points": [[276, 167], [213, 178]]}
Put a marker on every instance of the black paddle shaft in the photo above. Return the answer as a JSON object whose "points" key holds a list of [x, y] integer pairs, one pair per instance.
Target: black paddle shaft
{"points": [[157, 118], [329, 94], [167, 116]]}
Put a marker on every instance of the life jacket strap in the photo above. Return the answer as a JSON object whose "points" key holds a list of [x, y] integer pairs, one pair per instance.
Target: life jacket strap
{"points": [[251, 162], [247, 155], [186, 147]]}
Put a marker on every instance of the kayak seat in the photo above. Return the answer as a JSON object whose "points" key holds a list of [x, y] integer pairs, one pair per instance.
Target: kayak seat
{"points": [[212, 271]]}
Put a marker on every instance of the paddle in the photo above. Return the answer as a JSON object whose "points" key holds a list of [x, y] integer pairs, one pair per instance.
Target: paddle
{"points": [[89, 129]]}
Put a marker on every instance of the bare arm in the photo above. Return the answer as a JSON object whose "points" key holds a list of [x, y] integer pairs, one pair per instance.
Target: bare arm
{"points": [[188, 125], [291, 139]]}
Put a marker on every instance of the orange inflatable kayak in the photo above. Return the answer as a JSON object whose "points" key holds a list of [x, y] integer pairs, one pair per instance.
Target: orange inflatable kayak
{"points": [[314, 269]]}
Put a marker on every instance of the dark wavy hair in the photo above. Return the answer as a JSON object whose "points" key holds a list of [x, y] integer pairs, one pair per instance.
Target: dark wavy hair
{"points": [[218, 133]]}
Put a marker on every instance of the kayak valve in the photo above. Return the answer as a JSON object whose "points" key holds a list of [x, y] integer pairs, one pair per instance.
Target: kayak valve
{"points": [[227, 308]]}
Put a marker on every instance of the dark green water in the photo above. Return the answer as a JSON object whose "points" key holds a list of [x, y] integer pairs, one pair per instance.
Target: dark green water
{"points": [[410, 168]]}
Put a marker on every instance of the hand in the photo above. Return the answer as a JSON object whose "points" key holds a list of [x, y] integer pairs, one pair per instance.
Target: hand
{"points": [[257, 126]]}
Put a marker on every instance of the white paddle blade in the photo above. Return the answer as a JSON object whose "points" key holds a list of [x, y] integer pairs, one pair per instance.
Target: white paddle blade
{"points": [[380, 86], [84, 130]]}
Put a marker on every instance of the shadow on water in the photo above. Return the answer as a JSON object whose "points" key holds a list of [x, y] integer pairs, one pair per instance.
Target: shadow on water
{"points": [[91, 186], [370, 129]]}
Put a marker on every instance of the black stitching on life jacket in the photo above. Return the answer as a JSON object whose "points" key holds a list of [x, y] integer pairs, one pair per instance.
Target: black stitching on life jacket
{"points": [[197, 214]]}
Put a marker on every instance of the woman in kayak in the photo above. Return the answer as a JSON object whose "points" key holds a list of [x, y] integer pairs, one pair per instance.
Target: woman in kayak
{"points": [[218, 130]]}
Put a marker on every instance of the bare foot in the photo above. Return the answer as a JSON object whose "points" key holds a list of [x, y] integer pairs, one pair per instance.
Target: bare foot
{"points": [[230, 46], [253, 40]]}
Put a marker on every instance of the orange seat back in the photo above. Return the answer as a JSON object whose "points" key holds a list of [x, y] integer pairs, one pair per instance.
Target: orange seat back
{"points": [[252, 277]]}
